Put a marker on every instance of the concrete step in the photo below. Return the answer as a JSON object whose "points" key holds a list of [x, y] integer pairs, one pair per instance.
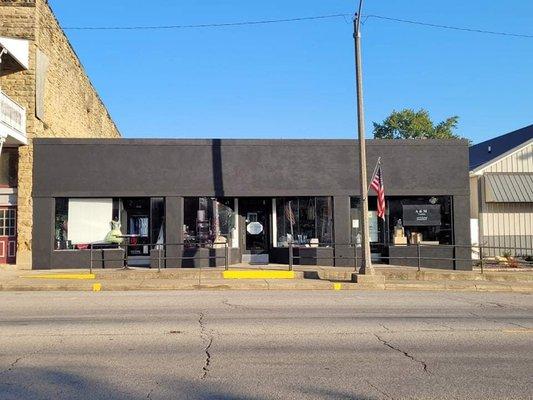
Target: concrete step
{"points": [[260, 259]]}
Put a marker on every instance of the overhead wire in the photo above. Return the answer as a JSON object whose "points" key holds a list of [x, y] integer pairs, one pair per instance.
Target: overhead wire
{"points": [[366, 17]]}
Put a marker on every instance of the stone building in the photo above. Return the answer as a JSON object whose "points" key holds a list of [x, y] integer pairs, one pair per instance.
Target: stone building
{"points": [[44, 92]]}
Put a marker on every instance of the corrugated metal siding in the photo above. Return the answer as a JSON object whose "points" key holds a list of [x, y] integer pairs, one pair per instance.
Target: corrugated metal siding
{"points": [[508, 224], [521, 161], [516, 187]]}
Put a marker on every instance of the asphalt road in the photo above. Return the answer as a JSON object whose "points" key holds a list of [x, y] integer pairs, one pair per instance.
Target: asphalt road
{"points": [[259, 345]]}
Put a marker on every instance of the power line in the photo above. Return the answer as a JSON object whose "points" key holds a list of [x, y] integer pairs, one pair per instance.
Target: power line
{"points": [[215, 25], [287, 20], [406, 21]]}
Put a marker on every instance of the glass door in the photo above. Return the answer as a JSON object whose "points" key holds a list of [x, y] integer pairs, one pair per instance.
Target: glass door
{"points": [[256, 214]]}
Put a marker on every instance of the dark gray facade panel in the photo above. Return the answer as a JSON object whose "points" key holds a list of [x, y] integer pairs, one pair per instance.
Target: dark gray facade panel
{"points": [[43, 232], [341, 225], [461, 227], [126, 167], [173, 233]]}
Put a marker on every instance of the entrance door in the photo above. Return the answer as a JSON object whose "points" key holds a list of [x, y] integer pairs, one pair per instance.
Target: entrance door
{"points": [[8, 235], [256, 213]]}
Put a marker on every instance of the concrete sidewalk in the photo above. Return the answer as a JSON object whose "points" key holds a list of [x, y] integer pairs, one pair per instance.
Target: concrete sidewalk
{"points": [[304, 278]]}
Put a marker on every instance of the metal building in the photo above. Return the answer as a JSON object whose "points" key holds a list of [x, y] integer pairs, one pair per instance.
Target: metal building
{"points": [[501, 185]]}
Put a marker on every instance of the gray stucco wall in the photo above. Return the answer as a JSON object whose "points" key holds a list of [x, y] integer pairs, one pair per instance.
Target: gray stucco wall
{"points": [[126, 167], [238, 168]]}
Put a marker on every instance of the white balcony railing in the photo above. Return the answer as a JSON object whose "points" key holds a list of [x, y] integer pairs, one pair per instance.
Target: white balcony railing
{"points": [[12, 116]]}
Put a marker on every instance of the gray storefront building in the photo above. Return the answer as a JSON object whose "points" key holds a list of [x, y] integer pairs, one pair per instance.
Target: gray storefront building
{"points": [[253, 196]]}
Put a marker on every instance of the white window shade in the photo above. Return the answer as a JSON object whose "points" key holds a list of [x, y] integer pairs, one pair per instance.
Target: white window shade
{"points": [[89, 220]]}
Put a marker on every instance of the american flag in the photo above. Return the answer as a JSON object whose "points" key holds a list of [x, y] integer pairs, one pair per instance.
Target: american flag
{"points": [[378, 186]]}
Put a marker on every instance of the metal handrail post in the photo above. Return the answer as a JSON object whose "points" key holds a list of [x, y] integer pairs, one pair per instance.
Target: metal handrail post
{"points": [[91, 264], [290, 255], [226, 256], [355, 257], [454, 255], [481, 257], [159, 259], [418, 255]]}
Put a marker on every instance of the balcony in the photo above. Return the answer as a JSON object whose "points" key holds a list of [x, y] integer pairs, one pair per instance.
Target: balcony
{"points": [[12, 121]]}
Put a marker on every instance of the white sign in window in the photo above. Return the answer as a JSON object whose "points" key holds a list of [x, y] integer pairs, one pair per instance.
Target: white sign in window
{"points": [[89, 220]]}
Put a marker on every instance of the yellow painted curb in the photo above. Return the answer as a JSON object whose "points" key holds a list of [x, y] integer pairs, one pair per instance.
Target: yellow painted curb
{"points": [[259, 274], [337, 286], [97, 287], [61, 276]]}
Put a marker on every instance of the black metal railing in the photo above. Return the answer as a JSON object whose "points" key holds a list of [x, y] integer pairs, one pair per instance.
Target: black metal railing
{"points": [[162, 255], [523, 256], [471, 255]]}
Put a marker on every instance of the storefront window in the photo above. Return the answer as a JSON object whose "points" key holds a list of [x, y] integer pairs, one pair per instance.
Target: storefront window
{"points": [[84, 222], [307, 221], [427, 219], [61, 224], [422, 218], [209, 221], [81, 222]]}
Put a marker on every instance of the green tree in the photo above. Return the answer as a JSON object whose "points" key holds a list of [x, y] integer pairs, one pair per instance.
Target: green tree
{"points": [[411, 124]]}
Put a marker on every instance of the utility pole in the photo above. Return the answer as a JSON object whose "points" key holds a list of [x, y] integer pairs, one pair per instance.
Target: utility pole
{"points": [[366, 264]]}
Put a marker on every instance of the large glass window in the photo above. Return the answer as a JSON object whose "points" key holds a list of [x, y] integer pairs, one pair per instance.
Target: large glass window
{"points": [[82, 222], [304, 220], [427, 218], [209, 221]]}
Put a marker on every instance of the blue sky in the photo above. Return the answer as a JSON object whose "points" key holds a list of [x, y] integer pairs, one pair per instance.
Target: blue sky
{"points": [[296, 80]]}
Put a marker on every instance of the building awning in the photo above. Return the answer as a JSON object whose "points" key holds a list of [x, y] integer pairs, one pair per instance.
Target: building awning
{"points": [[15, 56], [509, 188]]}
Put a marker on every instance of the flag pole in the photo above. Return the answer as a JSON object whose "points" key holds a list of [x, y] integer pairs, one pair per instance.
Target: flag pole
{"points": [[374, 173], [366, 262]]}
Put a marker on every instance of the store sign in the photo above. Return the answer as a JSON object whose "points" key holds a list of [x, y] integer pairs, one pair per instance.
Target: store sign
{"points": [[421, 215], [254, 228]]}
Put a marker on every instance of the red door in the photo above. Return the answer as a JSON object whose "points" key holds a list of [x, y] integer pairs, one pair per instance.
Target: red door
{"points": [[8, 235]]}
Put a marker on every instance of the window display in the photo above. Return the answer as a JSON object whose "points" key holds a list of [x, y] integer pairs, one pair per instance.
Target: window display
{"points": [[425, 219], [82, 222], [422, 219], [304, 220], [209, 221]]}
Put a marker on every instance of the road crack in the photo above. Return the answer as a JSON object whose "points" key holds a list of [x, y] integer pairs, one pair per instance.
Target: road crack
{"points": [[149, 395], [12, 365], [233, 306], [496, 321], [406, 354], [384, 327], [377, 389], [208, 339]]}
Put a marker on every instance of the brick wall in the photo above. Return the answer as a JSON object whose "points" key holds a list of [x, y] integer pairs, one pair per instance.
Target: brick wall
{"points": [[72, 108]]}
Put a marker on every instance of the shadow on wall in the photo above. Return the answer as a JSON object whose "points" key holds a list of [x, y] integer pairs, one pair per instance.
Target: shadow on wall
{"points": [[216, 157], [52, 383]]}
